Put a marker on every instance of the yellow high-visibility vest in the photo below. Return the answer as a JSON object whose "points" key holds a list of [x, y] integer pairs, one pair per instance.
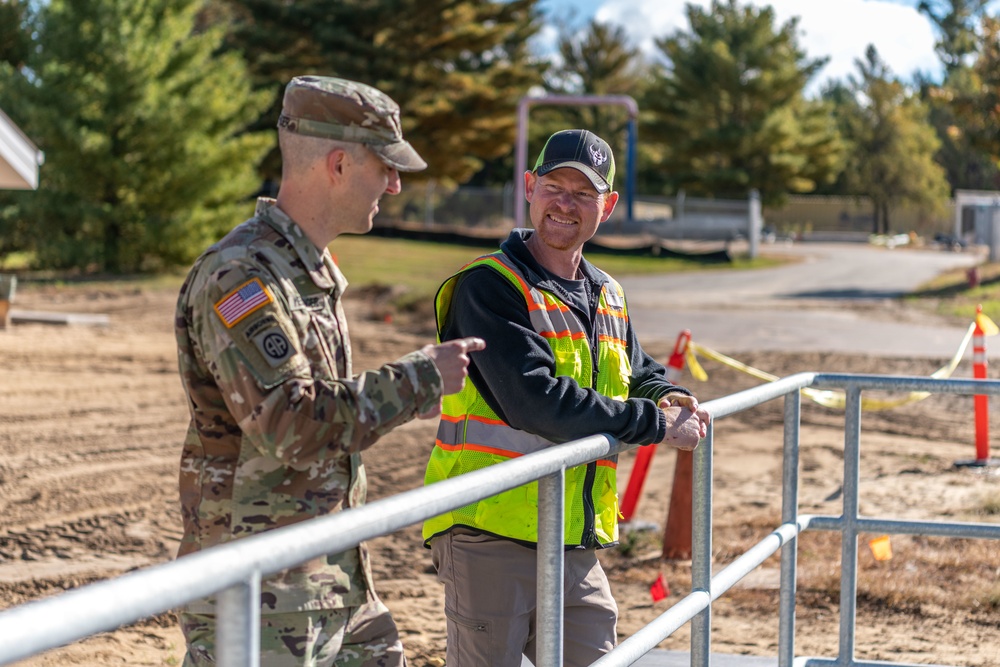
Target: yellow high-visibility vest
{"points": [[472, 436]]}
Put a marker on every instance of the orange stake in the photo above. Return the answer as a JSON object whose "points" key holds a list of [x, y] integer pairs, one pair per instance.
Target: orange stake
{"points": [[643, 457], [981, 402]]}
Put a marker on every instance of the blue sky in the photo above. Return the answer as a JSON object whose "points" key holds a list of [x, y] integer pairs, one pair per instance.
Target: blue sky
{"points": [[838, 29]]}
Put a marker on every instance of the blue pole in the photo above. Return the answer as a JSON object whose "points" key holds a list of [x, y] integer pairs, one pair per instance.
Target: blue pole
{"points": [[630, 177]]}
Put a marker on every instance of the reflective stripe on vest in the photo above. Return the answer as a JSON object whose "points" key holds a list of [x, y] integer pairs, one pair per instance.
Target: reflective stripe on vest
{"points": [[471, 435]]}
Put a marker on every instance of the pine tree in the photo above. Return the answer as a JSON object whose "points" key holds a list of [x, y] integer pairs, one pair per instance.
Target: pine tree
{"points": [[140, 124], [729, 109], [597, 60], [457, 69], [957, 21]]}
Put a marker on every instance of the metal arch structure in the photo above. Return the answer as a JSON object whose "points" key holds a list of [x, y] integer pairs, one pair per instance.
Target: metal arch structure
{"points": [[521, 152]]}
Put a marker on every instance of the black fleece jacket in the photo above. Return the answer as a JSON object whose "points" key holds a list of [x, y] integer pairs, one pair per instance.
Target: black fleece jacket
{"points": [[516, 372]]}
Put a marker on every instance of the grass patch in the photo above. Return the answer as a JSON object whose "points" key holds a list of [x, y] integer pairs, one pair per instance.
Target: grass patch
{"points": [[423, 265], [16, 261], [951, 295], [171, 280], [408, 271]]}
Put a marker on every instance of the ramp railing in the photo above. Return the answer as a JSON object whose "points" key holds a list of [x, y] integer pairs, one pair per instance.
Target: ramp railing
{"points": [[233, 571]]}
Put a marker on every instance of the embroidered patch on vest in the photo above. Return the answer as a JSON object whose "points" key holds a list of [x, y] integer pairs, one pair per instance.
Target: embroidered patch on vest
{"points": [[245, 299]]}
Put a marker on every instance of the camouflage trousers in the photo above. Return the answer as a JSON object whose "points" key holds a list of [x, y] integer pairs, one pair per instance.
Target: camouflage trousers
{"points": [[364, 636]]}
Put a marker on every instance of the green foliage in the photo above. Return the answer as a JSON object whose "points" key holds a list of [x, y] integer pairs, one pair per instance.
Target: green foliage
{"points": [[423, 265], [15, 43], [951, 294], [892, 161], [978, 106], [966, 165], [457, 69], [956, 20], [729, 110], [952, 103], [140, 124]]}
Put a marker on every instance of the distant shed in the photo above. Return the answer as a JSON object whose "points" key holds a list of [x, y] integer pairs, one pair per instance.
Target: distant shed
{"points": [[19, 158]]}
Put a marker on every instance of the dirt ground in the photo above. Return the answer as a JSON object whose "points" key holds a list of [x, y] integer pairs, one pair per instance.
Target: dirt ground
{"points": [[91, 421]]}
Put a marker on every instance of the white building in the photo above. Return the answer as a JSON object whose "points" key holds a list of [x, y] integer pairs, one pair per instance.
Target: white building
{"points": [[19, 158]]}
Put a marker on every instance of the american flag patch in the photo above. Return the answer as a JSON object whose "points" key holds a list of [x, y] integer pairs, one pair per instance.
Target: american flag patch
{"points": [[245, 299]]}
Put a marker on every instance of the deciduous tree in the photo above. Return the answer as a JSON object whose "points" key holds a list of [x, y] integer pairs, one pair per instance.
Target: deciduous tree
{"points": [[978, 107], [963, 41], [893, 146]]}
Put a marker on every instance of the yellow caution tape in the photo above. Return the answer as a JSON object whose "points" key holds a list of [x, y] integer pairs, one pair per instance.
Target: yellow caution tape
{"points": [[834, 398], [691, 361], [986, 325]]}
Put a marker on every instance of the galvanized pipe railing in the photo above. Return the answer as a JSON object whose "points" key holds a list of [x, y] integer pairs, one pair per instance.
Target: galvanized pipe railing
{"points": [[27, 629], [234, 570]]}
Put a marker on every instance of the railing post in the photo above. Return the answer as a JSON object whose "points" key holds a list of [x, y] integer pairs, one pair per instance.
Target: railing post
{"points": [[789, 514], [849, 525], [238, 624], [549, 588], [756, 223], [701, 547]]}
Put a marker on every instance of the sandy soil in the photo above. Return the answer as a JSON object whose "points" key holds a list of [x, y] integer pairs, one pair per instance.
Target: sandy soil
{"points": [[91, 421]]}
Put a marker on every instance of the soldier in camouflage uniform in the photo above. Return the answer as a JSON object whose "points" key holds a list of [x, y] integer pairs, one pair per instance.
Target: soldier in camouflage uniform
{"points": [[278, 417]]}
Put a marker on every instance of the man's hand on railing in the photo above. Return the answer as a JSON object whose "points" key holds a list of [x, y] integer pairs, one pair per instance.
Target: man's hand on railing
{"points": [[687, 423]]}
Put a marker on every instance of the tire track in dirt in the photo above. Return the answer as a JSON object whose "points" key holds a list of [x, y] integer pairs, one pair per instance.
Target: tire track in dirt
{"points": [[91, 421]]}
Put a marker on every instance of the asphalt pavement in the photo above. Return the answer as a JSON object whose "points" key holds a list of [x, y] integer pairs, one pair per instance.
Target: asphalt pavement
{"points": [[832, 297]]}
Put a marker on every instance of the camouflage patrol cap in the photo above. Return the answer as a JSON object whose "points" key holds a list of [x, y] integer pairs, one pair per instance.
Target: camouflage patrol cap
{"points": [[332, 108]]}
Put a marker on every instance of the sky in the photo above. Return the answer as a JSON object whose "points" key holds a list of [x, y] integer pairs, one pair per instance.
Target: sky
{"points": [[838, 29]]}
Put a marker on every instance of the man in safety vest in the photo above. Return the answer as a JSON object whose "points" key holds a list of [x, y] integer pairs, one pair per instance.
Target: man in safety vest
{"points": [[561, 362]]}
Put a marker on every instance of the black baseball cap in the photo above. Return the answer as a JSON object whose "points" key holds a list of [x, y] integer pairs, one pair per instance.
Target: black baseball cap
{"points": [[581, 150]]}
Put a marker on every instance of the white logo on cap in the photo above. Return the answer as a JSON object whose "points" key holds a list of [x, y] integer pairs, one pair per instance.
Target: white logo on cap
{"points": [[597, 157]]}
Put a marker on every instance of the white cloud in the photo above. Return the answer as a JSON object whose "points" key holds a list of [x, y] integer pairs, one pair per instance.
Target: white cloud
{"points": [[840, 30]]}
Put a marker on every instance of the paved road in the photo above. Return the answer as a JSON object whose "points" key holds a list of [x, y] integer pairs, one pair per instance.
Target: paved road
{"points": [[837, 298]]}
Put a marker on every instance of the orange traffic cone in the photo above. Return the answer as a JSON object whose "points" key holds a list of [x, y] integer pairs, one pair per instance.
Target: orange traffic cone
{"points": [[677, 532], [644, 457]]}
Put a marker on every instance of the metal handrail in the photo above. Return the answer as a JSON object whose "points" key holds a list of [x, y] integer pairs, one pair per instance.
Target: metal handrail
{"points": [[234, 570]]}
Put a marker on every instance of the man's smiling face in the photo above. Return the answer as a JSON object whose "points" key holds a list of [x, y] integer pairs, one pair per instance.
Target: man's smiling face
{"points": [[565, 208]]}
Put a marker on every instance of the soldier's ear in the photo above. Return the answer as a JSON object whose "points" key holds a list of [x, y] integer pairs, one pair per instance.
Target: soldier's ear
{"points": [[336, 163]]}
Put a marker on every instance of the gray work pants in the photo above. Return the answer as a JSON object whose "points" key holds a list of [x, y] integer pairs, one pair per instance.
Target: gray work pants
{"points": [[490, 592]]}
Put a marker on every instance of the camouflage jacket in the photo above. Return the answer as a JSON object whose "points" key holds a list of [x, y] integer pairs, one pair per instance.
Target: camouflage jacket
{"points": [[278, 420]]}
